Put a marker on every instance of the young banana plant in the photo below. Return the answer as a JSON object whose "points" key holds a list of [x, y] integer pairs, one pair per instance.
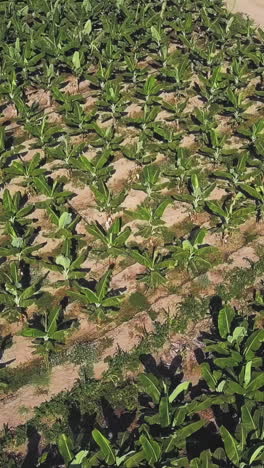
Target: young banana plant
{"points": [[170, 138], [66, 100], [43, 131], [151, 216], [112, 103], [15, 295], [101, 300], [215, 149], [204, 123], [113, 239], [50, 335], [199, 192], [182, 169], [106, 138], [66, 152], [236, 104], [256, 192], [15, 208], [20, 245], [79, 120], [156, 267], [192, 254], [94, 169], [69, 265], [149, 181], [139, 152], [212, 88], [229, 213], [237, 172], [52, 189], [255, 133], [107, 200], [27, 170], [147, 121], [150, 91], [64, 221]]}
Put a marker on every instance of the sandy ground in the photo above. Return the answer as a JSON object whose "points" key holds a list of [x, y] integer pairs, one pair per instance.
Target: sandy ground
{"points": [[253, 8]]}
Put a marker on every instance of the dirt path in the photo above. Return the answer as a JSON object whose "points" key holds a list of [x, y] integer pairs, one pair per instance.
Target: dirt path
{"points": [[252, 8]]}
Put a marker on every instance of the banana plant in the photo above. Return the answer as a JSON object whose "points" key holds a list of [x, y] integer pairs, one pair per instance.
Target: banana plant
{"points": [[27, 113], [156, 267], [64, 221], [50, 335], [215, 148], [236, 104], [246, 447], [20, 245], [94, 169], [177, 111], [107, 200], [112, 103], [133, 71], [255, 134], [78, 119], [171, 138], [15, 296], [106, 138], [198, 193], [22, 57], [229, 213], [28, 170], [101, 300], [86, 457], [238, 73], [192, 254], [68, 264], [235, 367], [182, 169], [103, 74], [52, 189], [140, 152], [151, 216], [256, 192], [147, 121], [150, 91], [177, 72], [212, 88], [204, 123], [66, 100], [112, 239], [149, 181], [10, 86], [43, 131], [237, 172], [66, 152], [15, 208]]}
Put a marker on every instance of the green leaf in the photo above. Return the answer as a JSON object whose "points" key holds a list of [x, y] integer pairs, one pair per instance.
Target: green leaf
{"points": [[105, 446], [151, 449], [164, 412], [182, 387], [225, 318], [103, 285], [150, 384], [231, 446], [208, 375], [76, 60], [253, 343], [64, 220], [65, 446], [255, 454], [33, 333], [187, 431], [53, 318], [143, 260]]}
